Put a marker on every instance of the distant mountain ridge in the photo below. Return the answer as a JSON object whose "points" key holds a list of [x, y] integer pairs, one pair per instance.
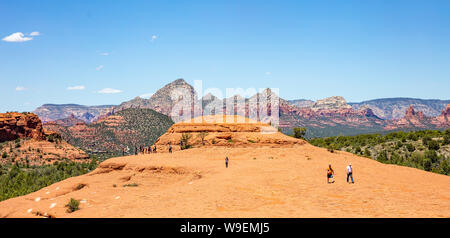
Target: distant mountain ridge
{"points": [[52, 112], [326, 117], [394, 108]]}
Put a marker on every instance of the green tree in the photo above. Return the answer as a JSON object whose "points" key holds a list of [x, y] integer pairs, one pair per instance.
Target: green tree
{"points": [[202, 135], [299, 132], [410, 147], [185, 137], [433, 145]]}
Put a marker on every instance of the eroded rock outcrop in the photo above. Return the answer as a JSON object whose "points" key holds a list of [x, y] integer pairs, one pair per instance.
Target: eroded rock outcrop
{"points": [[222, 130], [17, 125]]}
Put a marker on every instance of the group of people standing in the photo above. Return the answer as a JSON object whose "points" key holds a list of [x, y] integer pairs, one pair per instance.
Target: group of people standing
{"points": [[330, 173], [147, 149]]}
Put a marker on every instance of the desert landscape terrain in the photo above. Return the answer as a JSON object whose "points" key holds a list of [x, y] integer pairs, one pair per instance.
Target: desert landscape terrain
{"points": [[278, 177]]}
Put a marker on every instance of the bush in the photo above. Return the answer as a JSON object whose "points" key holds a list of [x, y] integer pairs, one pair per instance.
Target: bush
{"points": [[330, 149], [426, 140], [433, 145], [299, 132], [131, 185], [4, 155], [185, 139], [367, 152], [410, 147], [73, 205], [446, 140]]}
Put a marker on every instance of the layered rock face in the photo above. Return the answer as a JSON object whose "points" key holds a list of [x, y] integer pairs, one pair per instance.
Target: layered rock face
{"points": [[220, 130], [18, 125]]}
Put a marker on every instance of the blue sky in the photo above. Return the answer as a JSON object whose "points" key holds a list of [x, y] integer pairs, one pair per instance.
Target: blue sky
{"points": [[308, 49]]}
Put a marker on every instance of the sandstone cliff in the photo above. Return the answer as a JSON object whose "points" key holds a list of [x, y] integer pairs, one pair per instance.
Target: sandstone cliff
{"points": [[17, 125]]}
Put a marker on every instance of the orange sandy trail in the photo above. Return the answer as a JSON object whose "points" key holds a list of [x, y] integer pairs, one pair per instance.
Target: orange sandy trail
{"points": [[260, 182]]}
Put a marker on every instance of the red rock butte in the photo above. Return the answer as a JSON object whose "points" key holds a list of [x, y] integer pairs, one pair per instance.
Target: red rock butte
{"points": [[277, 176]]}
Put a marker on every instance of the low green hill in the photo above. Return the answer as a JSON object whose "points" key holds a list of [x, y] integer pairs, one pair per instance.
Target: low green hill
{"points": [[105, 138], [427, 150]]}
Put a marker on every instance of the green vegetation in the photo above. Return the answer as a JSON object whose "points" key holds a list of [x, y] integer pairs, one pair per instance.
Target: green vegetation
{"points": [[131, 185], [138, 127], [427, 150], [202, 135], [299, 132], [185, 139], [19, 179], [73, 205]]}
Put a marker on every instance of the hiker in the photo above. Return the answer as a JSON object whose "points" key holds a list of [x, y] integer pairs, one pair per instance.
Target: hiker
{"points": [[226, 162], [154, 149], [181, 145], [123, 151], [149, 149], [350, 172], [330, 173], [135, 150], [170, 148]]}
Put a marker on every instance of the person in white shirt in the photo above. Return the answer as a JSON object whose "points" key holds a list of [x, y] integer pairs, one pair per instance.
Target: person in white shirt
{"points": [[350, 172]]}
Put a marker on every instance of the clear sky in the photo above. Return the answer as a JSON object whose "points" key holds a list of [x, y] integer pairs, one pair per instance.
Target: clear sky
{"points": [[105, 52]]}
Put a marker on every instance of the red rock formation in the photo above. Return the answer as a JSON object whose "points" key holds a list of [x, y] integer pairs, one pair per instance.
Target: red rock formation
{"points": [[411, 113], [446, 111], [17, 125]]}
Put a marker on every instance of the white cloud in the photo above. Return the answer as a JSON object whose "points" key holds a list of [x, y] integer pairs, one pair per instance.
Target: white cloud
{"points": [[109, 91], [154, 37], [20, 88], [35, 33], [267, 73], [17, 37], [79, 87], [100, 67], [146, 95], [104, 54]]}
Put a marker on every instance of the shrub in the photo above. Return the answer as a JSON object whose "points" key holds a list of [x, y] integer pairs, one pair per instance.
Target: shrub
{"points": [[330, 148], [4, 155], [426, 140], [131, 185], [185, 139], [410, 147], [202, 135], [367, 152], [73, 205], [433, 145], [299, 132], [446, 140]]}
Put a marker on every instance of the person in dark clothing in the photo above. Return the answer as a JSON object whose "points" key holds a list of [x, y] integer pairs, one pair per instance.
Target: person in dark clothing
{"points": [[181, 145], [226, 162], [123, 151], [170, 149], [154, 149], [135, 150]]}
